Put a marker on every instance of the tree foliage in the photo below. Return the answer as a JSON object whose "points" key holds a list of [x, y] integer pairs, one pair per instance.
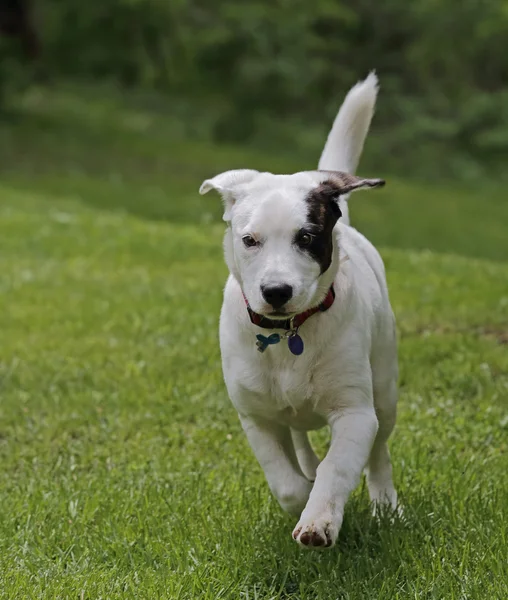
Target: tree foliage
{"points": [[443, 63]]}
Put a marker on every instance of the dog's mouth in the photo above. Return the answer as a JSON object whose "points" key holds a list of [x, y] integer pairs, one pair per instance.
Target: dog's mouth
{"points": [[280, 314]]}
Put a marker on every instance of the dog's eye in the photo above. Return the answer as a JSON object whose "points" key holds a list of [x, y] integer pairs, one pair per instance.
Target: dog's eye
{"points": [[305, 239], [249, 241]]}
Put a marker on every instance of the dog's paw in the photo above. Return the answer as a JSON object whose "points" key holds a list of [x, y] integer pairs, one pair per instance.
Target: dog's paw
{"points": [[316, 533]]}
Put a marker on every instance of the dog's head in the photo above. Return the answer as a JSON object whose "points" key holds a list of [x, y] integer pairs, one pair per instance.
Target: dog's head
{"points": [[280, 244]]}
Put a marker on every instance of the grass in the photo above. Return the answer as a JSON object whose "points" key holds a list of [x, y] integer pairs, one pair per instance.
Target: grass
{"points": [[124, 469]]}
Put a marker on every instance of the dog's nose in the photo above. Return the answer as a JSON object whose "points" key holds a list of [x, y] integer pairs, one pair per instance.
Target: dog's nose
{"points": [[277, 295]]}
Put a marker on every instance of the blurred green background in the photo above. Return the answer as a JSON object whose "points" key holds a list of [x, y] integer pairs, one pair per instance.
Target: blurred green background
{"points": [[129, 104], [271, 73]]}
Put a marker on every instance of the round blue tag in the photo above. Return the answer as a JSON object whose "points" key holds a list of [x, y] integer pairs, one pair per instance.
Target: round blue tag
{"points": [[295, 344]]}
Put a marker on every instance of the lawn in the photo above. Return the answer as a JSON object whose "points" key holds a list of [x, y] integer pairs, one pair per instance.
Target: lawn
{"points": [[125, 473]]}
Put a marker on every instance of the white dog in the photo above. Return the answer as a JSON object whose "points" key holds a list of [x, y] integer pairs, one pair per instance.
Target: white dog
{"points": [[307, 333]]}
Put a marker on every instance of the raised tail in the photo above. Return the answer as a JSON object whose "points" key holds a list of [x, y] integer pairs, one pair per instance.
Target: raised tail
{"points": [[344, 145]]}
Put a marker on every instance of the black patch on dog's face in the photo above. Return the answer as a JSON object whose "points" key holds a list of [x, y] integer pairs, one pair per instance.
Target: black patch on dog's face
{"points": [[322, 215]]}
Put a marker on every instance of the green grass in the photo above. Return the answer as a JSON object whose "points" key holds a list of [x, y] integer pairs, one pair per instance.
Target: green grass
{"points": [[124, 472]]}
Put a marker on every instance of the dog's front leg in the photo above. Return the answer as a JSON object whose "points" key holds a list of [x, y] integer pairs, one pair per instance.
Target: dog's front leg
{"points": [[353, 433], [273, 446]]}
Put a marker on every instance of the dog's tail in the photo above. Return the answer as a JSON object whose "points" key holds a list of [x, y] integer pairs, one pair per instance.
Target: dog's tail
{"points": [[344, 145]]}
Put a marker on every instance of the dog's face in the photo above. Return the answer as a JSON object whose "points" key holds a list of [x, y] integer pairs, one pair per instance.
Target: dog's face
{"points": [[280, 243]]}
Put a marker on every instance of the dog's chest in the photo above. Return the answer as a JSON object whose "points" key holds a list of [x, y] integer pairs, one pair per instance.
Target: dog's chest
{"points": [[288, 385], [280, 386]]}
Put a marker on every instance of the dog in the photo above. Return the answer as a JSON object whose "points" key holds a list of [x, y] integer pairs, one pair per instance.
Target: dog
{"points": [[307, 332]]}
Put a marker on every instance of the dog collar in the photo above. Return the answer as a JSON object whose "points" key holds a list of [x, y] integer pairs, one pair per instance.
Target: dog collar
{"points": [[295, 342]]}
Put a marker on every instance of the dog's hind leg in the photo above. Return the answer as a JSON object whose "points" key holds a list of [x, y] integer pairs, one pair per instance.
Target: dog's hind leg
{"points": [[307, 458], [379, 466]]}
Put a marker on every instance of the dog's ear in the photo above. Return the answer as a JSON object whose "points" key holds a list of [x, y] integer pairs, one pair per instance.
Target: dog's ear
{"points": [[227, 184], [344, 183]]}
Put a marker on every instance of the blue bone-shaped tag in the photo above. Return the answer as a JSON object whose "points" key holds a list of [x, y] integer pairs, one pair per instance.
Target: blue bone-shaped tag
{"points": [[263, 342]]}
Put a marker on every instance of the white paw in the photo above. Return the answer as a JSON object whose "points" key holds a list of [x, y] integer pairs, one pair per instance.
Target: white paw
{"points": [[321, 532]]}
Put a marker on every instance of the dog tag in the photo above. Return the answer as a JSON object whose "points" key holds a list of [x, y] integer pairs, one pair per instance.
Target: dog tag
{"points": [[295, 344], [263, 342]]}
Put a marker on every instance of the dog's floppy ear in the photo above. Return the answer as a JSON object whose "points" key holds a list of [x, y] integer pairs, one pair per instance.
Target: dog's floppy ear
{"points": [[227, 185], [344, 183]]}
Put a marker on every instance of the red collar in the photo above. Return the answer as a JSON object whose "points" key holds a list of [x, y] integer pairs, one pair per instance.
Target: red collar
{"points": [[293, 322]]}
